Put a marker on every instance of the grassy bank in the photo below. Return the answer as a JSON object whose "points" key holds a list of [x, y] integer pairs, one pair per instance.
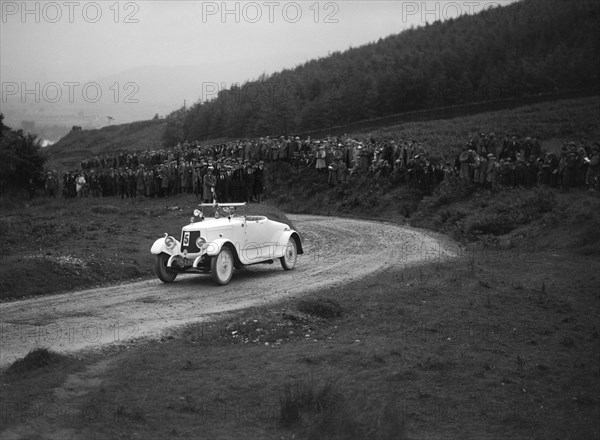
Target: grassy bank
{"points": [[501, 344], [542, 217]]}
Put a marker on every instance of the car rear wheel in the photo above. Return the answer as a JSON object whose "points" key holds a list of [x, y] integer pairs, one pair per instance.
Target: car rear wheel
{"points": [[164, 273], [288, 261], [221, 266]]}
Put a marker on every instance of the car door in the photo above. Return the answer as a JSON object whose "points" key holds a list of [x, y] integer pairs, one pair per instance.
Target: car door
{"points": [[259, 244]]}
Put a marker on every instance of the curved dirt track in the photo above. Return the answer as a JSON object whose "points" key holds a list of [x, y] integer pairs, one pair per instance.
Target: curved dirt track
{"points": [[336, 251]]}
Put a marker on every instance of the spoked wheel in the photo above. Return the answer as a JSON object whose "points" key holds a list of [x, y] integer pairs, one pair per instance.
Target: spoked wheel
{"points": [[164, 273], [221, 267], [288, 261]]}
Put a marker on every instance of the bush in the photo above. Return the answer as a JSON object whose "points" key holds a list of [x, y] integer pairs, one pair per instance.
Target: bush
{"points": [[321, 308], [541, 201], [21, 158], [34, 360], [450, 190], [489, 224]]}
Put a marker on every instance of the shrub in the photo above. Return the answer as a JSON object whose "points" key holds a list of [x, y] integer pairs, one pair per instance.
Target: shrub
{"points": [[451, 189], [541, 201], [35, 359], [490, 224], [21, 158], [322, 308]]}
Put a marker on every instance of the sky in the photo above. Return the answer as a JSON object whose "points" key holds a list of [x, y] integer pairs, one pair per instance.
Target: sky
{"points": [[45, 44]]}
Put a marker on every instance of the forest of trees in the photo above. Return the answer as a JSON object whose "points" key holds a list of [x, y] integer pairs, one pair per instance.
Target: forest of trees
{"points": [[529, 47]]}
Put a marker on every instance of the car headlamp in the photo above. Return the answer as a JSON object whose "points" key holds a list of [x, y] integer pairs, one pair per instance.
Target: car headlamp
{"points": [[200, 241], [197, 213], [170, 242]]}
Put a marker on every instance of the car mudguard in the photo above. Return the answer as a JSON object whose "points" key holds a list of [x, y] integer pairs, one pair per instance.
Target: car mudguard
{"points": [[283, 240], [159, 246], [214, 247]]}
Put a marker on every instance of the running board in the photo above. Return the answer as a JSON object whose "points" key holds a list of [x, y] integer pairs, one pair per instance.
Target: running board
{"points": [[260, 262]]}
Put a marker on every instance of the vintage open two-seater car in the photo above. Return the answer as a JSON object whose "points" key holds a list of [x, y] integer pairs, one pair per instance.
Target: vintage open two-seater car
{"points": [[224, 241]]}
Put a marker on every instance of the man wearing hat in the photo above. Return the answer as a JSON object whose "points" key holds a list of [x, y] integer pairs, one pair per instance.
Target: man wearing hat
{"points": [[483, 164], [569, 167], [164, 180], [259, 184], [172, 175], [321, 165], [249, 180], [223, 183], [519, 170], [210, 181], [237, 181], [476, 168], [491, 175], [333, 173], [197, 179], [140, 185], [481, 146], [131, 184], [149, 181], [123, 183], [593, 173], [464, 159], [51, 185], [581, 166], [531, 170], [483, 168]]}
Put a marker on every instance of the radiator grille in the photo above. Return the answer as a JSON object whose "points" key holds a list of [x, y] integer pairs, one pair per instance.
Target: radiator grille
{"points": [[188, 241]]}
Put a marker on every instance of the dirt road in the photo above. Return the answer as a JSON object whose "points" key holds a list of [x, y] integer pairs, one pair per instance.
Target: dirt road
{"points": [[336, 251]]}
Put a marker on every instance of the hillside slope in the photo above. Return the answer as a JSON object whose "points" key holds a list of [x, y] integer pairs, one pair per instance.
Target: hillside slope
{"points": [[549, 120], [526, 48], [78, 145]]}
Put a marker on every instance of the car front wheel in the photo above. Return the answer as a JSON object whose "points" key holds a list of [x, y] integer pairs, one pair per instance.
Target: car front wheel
{"points": [[221, 267], [164, 273], [288, 261]]}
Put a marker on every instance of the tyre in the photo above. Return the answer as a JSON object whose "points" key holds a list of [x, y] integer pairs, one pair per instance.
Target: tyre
{"points": [[164, 273], [221, 266], [288, 261]]}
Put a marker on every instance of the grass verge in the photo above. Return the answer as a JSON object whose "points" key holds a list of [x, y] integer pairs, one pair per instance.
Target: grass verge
{"points": [[501, 344]]}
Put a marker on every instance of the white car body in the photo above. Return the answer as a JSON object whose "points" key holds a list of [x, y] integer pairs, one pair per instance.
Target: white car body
{"points": [[220, 243]]}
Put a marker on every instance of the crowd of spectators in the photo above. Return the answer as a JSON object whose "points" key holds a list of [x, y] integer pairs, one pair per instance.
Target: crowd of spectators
{"points": [[235, 171], [205, 176], [514, 162]]}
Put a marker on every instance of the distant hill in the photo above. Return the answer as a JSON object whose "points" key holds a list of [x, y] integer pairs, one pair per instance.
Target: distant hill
{"points": [[78, 145], [131, 95], [526, 48]]}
